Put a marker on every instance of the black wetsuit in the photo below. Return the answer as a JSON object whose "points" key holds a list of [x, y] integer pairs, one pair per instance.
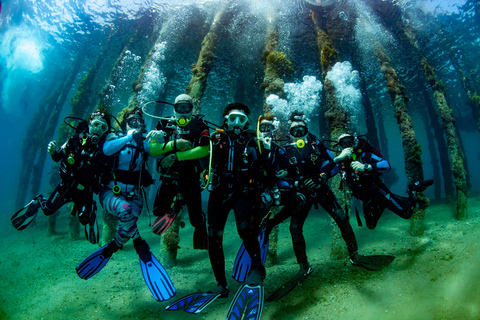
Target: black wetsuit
{"points": [[309, 162], [368, 186], [237, 183], [82, 165], [183, 177]]}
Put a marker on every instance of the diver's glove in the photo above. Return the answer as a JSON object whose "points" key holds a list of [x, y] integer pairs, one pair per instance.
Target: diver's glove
{"points": [[345, 154], [133, 131], [52, 147], [281, 174], [360, 167], [315, 182], [155, 135], [168, 160], [182, 144]]}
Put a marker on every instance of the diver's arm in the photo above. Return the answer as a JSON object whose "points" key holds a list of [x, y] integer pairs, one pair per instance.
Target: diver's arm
{"points": [[195, 153], [113, 146], [379, 164], [157, 149]]}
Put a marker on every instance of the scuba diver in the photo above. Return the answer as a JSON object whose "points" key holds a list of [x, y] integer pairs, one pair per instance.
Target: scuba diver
{"points": [[362, 166], [122, 197], [314, 166], [181, 169], [283, 194], [239, 178], [82, 165], [273, 163], [237, 183]]}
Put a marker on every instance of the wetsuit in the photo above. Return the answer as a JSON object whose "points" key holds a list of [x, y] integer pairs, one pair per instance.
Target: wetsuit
{"points": [[368, 186], [311, 161], [82, 165], [129, 174], [183, 177], [237, 183]]}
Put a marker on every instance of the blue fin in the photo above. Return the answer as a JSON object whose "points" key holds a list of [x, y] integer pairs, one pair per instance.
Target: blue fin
{"points": [[247, 303], [243, 262], [96, 261], [194, 302], [154, 273], [23, 217]]}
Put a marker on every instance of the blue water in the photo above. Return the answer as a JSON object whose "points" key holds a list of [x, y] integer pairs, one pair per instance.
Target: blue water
{"points": [[40, 41]]}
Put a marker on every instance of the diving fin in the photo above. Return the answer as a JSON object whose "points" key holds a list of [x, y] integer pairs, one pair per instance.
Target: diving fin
{"points": [[243, 262], [373, 262], [290, 284], [420, 186], [23, 217], [153, 272], [194, 302], [161, 224], [91, 231], [248, 301], [97, 260]]}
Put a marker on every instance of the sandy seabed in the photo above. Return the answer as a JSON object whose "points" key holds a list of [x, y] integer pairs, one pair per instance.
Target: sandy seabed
{"points": [[434, 276]]}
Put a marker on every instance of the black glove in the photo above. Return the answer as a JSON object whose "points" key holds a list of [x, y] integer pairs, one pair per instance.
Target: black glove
{"points": [[315, 182]]}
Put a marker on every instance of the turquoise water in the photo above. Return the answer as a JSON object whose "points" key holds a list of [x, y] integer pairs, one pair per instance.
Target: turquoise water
{"points": [[43, 43]]}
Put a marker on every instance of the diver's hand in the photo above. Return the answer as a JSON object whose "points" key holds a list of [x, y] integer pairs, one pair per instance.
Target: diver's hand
{"points": [[155, 135], [315, 182], [182, 144], [345, 154], [133, 131], [168, 160], [360, 167], [281, 174], [267, 143], [52, 147]]}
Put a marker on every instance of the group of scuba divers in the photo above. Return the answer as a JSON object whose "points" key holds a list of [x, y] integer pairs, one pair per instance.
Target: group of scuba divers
{"points": [[247, 171]]}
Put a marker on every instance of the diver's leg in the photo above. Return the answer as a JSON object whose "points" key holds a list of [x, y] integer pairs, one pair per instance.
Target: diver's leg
{"points": [[127, 212], [218, 209]]}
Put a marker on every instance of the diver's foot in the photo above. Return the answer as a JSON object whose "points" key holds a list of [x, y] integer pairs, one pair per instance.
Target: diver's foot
{"points": [[111, 248], [142, 248], [305, 269], [33, 207], [222, 290], [355, 258], [255, 277], [420, 186]]}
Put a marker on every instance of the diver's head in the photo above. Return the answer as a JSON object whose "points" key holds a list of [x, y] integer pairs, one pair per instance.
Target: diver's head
{"points": [[235, 117], [134, 119], [298, 128], [98, 124], [266, 126], [183, 109], [346, 140]]}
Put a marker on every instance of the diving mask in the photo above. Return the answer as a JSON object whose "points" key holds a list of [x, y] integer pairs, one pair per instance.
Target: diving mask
{"points": [[298, 131], [183, 107], [347, 141], [236, 119], [98, 127], [267, 127], [135, 122]]}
